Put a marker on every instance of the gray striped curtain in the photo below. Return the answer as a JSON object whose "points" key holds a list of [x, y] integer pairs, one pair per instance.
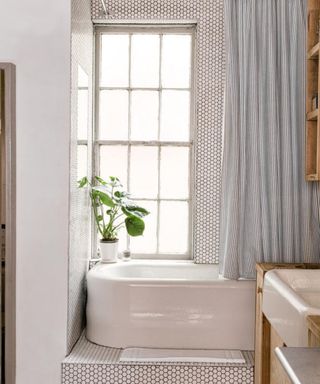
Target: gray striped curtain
{"points": [[268, 213]]}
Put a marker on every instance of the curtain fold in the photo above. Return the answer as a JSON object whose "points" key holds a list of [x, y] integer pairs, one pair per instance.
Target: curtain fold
{"points": [[268, 212]]}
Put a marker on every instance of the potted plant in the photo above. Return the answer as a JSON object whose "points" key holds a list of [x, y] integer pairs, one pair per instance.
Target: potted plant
{"points": [[113, 209]]}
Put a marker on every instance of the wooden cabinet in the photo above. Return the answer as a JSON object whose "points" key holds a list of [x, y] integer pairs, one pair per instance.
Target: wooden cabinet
{"points": [[312, 158], [267, 367], [313, 331], [262, 333], [277, 373]]}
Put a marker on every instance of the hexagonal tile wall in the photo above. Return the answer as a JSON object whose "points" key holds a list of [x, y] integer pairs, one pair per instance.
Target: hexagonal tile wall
{"points": [[93, 364], [210, 78], [169, 374], [79, 229]]}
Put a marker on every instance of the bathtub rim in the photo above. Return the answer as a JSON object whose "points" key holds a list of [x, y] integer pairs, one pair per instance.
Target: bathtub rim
{"points": [[97, 273]]}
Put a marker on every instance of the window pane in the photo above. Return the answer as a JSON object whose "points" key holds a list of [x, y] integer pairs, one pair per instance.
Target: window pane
{"points": [[82, 161], [176, 61], [173, 236], [113, 112], [83, 106], [148, 242], [145, 50], [114, 162], [174, 173], [175, 115], [114, 70], [144, 115], [135, 109], [144, 172]]}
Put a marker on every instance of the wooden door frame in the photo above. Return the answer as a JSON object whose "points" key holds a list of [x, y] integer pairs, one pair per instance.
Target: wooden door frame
{"points": [[10, 197]]}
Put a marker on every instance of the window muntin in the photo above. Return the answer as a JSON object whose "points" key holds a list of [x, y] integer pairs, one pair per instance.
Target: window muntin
{"points": [[148, 144]]}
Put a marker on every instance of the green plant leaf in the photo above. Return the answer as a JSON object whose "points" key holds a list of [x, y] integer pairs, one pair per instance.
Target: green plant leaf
{"points": [[110, 194], [125, 211], [122, 196], [103, 194], [138, 211], [130, 213], [114, 181], [83, 182], [100, 180], [135, 226]]}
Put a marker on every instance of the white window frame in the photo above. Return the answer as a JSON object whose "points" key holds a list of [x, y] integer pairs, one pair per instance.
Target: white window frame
{"points": [[84, 142], [159, 30]]}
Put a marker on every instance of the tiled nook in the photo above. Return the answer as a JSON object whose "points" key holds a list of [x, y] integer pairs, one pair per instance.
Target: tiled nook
{"points": [[90, 363]]}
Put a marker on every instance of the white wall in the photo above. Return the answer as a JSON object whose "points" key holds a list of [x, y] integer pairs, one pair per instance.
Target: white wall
{"points": [[35, 35]]}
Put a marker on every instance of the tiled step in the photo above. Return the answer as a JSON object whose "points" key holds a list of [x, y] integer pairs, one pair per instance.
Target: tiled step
{"points": [[91, 363]]}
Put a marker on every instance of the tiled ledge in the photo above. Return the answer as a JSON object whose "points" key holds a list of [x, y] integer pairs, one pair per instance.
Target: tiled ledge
{"points": [[91, 363]]}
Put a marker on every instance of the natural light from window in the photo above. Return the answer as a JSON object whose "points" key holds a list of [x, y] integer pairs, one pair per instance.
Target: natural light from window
{"points": [[144, 114]]}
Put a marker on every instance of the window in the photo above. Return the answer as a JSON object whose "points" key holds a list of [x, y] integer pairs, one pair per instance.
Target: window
{"points": [[144, 118], [82, 122]]}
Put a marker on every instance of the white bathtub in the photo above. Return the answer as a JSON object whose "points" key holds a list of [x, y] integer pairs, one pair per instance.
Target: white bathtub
{"points": [[168, 304]]}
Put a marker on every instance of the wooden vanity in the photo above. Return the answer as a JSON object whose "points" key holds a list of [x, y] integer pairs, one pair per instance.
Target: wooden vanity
{"points": [[313, 331], [268, 369]]}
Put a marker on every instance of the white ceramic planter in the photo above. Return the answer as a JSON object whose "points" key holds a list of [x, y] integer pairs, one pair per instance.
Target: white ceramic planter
{"points": [[109, 251]]}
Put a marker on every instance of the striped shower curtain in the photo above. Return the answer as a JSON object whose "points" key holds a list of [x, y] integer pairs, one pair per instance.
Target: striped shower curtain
{"points": [[268, 212]]}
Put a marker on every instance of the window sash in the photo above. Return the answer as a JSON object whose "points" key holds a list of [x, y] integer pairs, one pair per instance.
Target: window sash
{"points": [[159, 30]]}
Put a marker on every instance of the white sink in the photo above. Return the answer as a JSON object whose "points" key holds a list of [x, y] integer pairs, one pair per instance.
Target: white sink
{"points": [[289, 296]]}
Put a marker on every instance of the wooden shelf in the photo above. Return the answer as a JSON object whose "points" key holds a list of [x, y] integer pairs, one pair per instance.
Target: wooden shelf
{"points": [[312, 128], [313, 177], [313, 53], [313, 115]]}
